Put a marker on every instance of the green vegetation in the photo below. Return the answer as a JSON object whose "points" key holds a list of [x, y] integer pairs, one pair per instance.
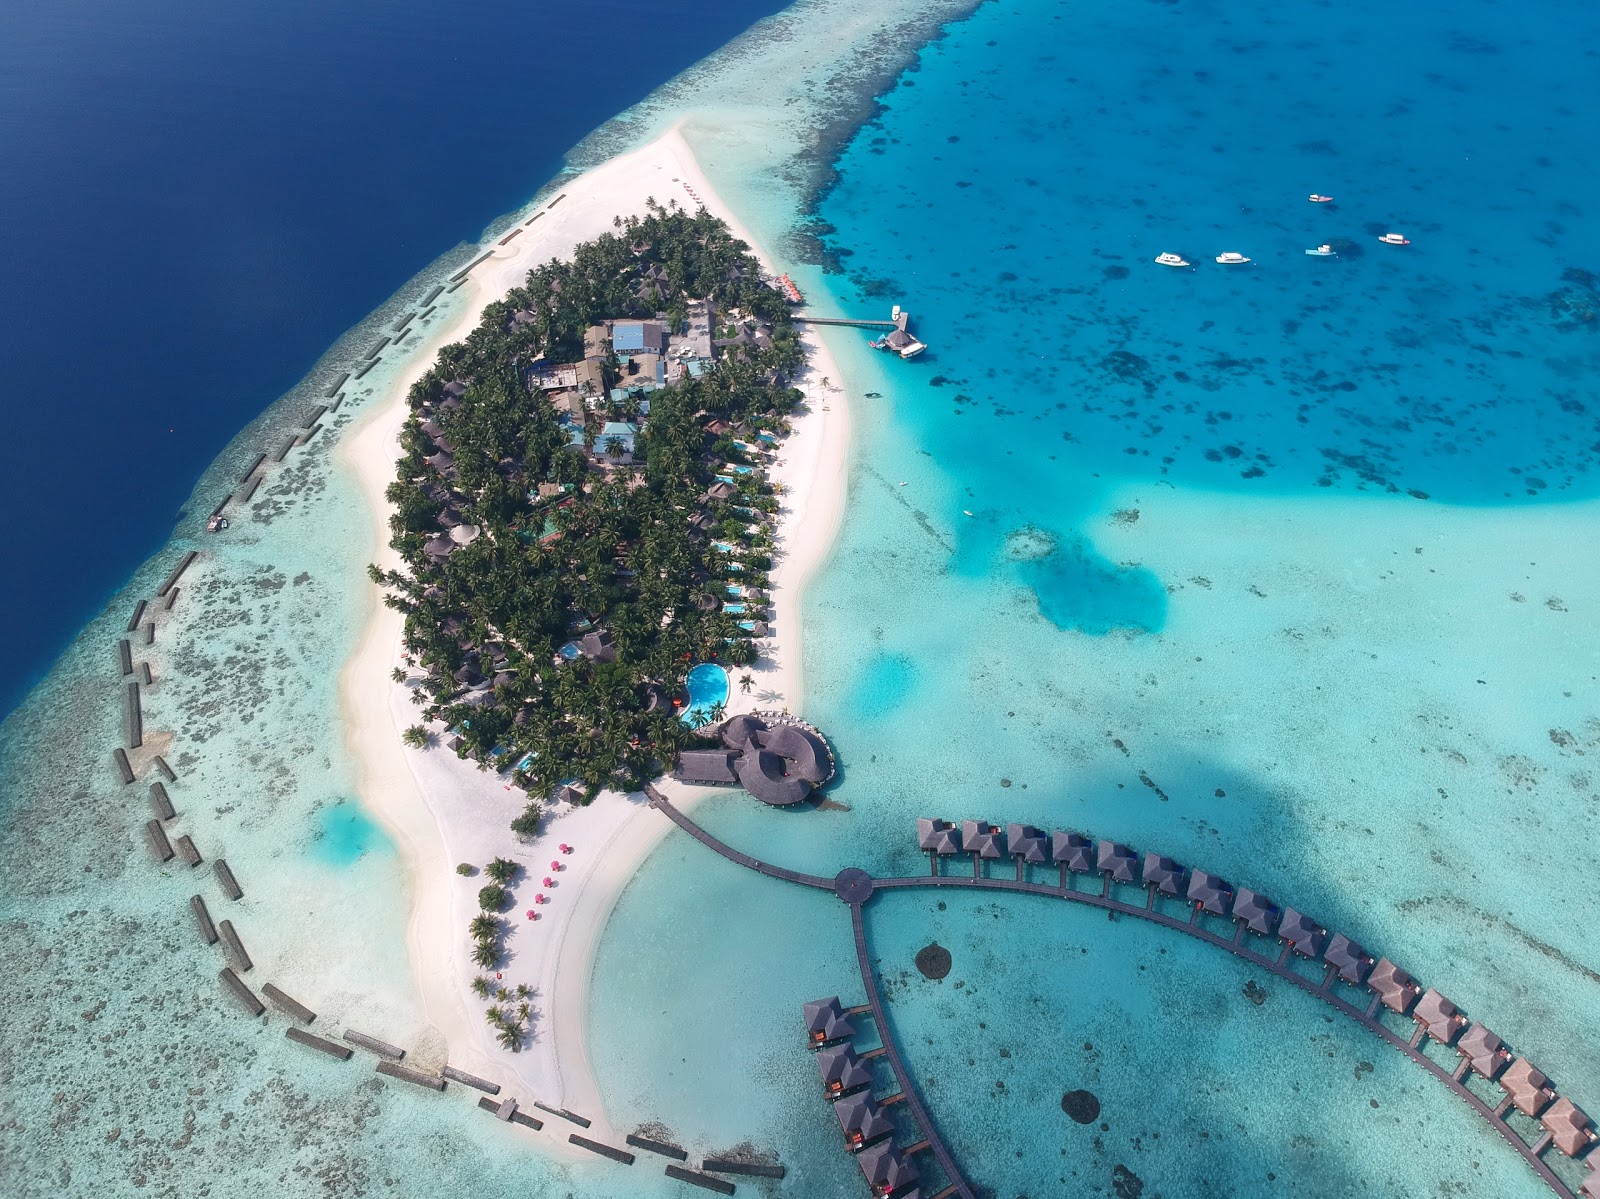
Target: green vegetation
{"points": [[494, 898], [567, 546], [502, 870], [466, 870]]}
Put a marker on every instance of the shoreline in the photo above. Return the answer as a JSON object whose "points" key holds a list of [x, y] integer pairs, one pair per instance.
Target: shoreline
{"points": [[440, 810]]}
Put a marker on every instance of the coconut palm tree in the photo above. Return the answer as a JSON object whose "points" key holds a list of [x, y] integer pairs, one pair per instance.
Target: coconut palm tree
{"points": [[483, 925], [486, 955], [481, 987]]}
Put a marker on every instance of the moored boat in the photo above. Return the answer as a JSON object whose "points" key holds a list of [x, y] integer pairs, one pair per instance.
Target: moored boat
{"points": [[1232, 258], [1316, 199], [1394, 239], [1323, 251], [1171, 260]]}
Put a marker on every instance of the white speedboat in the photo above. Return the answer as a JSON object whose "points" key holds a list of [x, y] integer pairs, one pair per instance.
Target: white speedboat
{"points": [[1232, 258], [1323, 252], [1394, 239], [1171, 260], [1316, 199]]}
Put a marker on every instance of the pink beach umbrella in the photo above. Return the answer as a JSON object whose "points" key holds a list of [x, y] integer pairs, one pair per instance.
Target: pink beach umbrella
{"points": [[549, 882], [539, 898], [532, 913], [565, 848], [555, 865]]}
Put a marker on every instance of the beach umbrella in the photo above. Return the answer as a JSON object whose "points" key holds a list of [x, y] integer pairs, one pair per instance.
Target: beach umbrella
{"points": [[538, 898], [565, 848], [548, 881], [555, 865], [531, 913]]}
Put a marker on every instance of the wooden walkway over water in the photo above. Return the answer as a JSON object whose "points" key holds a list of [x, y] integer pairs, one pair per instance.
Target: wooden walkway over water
{"points": [[856, 887]]}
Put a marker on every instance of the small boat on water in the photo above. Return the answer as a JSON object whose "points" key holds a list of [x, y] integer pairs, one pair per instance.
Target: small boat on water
{"points": [[216, 524], [1232, 258], [1171, 260], [1323, 251], [1316, 199], [1394, 239]]}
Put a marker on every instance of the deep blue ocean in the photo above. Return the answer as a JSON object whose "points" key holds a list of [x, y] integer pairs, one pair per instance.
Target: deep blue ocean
{"points": [[199, 198]]}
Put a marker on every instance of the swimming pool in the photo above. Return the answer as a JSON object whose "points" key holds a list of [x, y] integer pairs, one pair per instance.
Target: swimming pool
{"points": [[733, 607], [708, 686]]}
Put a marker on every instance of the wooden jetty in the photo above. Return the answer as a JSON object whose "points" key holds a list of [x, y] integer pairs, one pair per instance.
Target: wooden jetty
{"points": [[158, 840], [233, 946], [241, 992], [331, 1048], [124, 768], [471, 1080], [187, 851], [284, 1003], [615, 1154], [661, 1147], [720, 1185], [160, 801], [373, 1045], [224, 873], [202, 917], [411, 1074]]}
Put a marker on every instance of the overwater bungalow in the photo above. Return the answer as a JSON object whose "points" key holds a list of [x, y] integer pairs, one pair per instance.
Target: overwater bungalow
{"points": [[842, 1071], [1303, 934], [1527, 1087], [826, 1022], [1393, 986], [706, 767], [1486, 1052], [1117, 860], [1591, 1185], [981, 838], [861, 1121], [1074, 850], [1162, 873], [1569, 1128], [1210, 893], [1027, 843], [937, 836], [886, 1171], [1352, 962], [1439, 1016]]}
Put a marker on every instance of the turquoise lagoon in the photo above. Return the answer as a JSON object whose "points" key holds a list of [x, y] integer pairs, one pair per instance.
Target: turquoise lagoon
{"points": [[1196, 607], [1277, 570]]}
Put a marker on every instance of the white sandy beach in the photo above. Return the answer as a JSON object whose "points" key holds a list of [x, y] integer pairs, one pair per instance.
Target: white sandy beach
{"points": [[441, 811]]}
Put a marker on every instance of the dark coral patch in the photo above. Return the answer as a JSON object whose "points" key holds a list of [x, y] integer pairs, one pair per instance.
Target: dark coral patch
{"points": [[933, 960], [1082, 1106]]}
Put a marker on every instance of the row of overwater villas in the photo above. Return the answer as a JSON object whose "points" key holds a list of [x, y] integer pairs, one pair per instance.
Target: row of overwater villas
{"points": [[868, 1133], [1526, 1088]]}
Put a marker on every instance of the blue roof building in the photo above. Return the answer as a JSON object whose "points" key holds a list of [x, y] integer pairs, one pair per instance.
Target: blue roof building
{"points": [[648, 336], [617, 434]]}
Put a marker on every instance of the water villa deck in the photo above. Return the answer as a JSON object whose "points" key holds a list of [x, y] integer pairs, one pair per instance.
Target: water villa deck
{"points": [[1350, 982]]}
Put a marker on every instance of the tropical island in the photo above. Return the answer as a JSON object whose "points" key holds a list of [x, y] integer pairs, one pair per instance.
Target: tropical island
{"points": [[583, 509]]}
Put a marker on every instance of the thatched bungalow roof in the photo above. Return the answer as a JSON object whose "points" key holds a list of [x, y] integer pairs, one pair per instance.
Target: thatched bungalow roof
{"points": [[981, 838], [842, 1071], [706, 766], [440, 548], [1353, 962], [719, 490], [1569, 1127], [1486, 1052], [1209, 893], [464, 534], [1258, 913], [1075, 850], [1162, 873], [738, 731], [765, 776], [928, 830], [1529, 1089], [598, 646], [1591, 1185], [1028, 843], [826, 1021], [1393, 986], [1442, 1018], [1117, 860], [861, 1121], [1304, 934], [886, 1171]]}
